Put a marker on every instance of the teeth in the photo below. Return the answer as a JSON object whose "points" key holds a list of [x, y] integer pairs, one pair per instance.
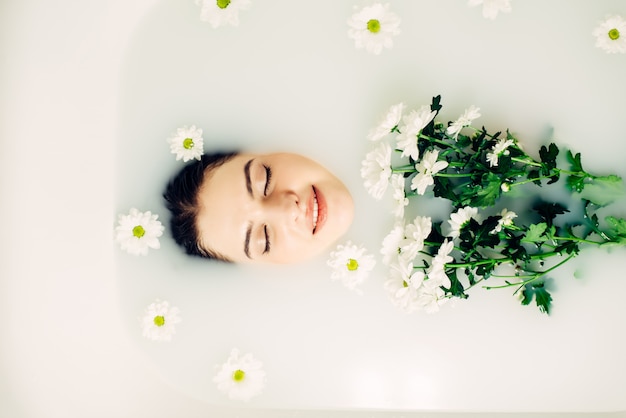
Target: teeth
{"points": [[315, 211]]}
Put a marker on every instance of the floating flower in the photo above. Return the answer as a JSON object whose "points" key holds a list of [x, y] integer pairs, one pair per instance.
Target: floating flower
{"points": [[611, 35], [159, 321], [403, 285], [222, 12], [459, 219], [390, 121], [431, 298], [472, 113], [241, 378], [187, 143], [498, 149], [399, 197], [491, 8], [426, 168], [437, 271], [506, 219], [351, 264], [373, 28], [414, 235], [414, 122], [376, 170], [392, 243], [138, 231]]}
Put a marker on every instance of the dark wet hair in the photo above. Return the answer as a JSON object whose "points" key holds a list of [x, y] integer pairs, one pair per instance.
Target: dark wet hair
{"points": [[181, 197]]}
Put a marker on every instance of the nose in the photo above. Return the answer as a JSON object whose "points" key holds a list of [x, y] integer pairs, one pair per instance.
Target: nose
{"points": [[284, 208]]}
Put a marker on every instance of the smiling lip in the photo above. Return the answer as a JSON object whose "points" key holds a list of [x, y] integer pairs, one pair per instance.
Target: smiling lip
{"points": [[322, 210]]}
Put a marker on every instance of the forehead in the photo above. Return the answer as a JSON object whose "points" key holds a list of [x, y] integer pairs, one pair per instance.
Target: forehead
{"points": [[221, 217]]}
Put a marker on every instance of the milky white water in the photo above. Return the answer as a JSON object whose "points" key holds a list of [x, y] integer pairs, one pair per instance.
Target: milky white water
{"points": [[289, 79]]}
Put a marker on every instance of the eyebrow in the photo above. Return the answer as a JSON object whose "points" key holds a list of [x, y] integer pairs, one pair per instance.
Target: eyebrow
{"points": [[246, 242]]}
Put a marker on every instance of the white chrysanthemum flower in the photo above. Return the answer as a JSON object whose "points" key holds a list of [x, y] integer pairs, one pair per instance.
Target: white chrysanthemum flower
{"points": [[459, 219], [426, 168], [437, 271], [390, 121], [351, 264], [506, 219], [491, 8], [373, 28], [222, 12], [611, 35], [414, 235], [498, 149], [376, 170], [138, 231], [469, 115], [159, 321], [431, 298], [240, 377], [404, 285], [399, 197], [391, 244], [414, 122], [187, 143]]}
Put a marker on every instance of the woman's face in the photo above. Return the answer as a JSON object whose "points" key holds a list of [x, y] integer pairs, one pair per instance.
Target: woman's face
{"points": [[272, 208]]}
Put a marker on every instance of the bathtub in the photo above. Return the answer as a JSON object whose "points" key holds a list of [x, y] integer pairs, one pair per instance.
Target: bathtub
{"points": [[90, 91]]}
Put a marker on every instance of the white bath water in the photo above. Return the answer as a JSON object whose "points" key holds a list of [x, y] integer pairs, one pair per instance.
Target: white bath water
{"points": [[289, 79]]}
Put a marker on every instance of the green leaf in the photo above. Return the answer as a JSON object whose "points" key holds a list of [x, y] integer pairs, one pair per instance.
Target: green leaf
{"points": [[549, 211], [574, 160], [535, 233], [601, 190], [618, 225], [548, 157], [542, 297], [485, 194], [527, 294]]}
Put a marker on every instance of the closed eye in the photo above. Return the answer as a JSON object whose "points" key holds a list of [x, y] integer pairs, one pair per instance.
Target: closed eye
{"points": [[267, 240], [268, 179]]}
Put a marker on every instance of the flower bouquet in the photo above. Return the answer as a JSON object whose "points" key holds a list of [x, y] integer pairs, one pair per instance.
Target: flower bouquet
{"points": [[477, 173]]}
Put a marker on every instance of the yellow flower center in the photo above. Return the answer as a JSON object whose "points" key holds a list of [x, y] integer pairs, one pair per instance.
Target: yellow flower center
{"points": [[138, 231], [614, 34], [239, 375], [188, 143], [352, 264], [159, 321], [222, 4], [373, 25]]}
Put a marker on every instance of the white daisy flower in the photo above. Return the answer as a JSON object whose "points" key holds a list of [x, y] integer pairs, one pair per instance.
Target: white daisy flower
{"points": [[222, 12], [426, 168], [138, 231], [403, 285], [373, 28], [430, 299], [611, 35], [472, 113], [491, 8], [376, 170], [399, 197], [414, 235], [437, 271], [240, 377], [187, 143], [459, 219], [506, 219], [498, 149], [391, 244], [390, 121], [414, 122], [351, 264], [159, 321]]}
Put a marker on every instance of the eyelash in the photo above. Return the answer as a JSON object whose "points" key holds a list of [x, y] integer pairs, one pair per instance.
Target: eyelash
{"points": [[268, 175], [267, 241]]}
